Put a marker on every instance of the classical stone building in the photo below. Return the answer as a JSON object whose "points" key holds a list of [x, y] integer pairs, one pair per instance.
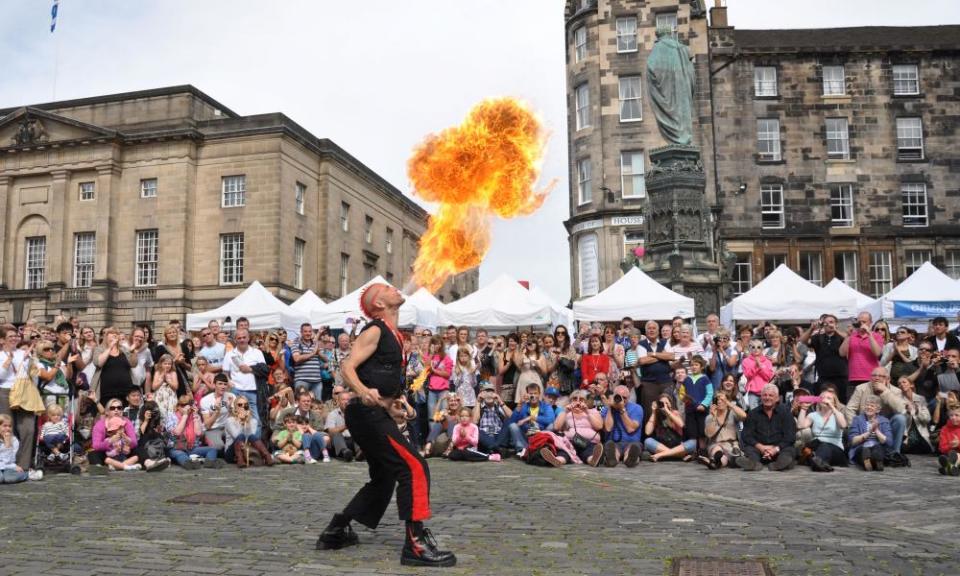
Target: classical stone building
{"points": [[144, 206], [831, 150]]}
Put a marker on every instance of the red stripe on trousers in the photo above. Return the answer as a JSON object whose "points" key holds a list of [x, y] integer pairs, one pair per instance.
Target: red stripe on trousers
{"points": [[421, 492]]}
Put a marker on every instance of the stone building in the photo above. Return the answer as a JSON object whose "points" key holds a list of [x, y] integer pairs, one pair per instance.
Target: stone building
{"points": [[144, 206], [830, 150]]}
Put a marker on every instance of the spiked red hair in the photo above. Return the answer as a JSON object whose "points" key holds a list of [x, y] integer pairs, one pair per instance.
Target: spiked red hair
{"points": [[367, 297]]}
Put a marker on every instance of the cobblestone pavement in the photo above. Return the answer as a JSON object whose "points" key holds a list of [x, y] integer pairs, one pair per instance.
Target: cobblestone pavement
{"points": [[500, 518]]}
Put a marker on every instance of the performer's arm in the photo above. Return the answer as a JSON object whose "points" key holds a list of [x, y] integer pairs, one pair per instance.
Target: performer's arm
{"points": [[363, 347]]}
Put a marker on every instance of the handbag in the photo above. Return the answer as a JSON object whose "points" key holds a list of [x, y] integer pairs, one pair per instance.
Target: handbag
{"points": [[579, 442], [24, 394], [154, 448]]}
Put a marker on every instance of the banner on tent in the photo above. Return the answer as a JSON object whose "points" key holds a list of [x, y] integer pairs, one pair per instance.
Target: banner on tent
{"points": [[908, 309]]}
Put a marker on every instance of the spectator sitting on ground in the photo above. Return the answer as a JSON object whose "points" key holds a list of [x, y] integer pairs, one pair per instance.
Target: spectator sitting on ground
{"points": [[892, 405], [114, 440], [314, 444], [728, 386], [826, 425], [917, 436], [871, 436], [529, 418], [185, 428], [664, 431], [491, 416], [10, 473], [242, 432], [444, 418], [152, 439], [723, 444], [696, 395], [579, 421], [336, 427], [622, 421], [215, 408], [551, 396], [769, 434], [289, 442], [950, 445], [465, 440], [945, 402], [132, 411]]}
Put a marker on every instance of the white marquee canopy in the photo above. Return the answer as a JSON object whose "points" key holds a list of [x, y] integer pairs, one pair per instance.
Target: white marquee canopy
{"points": [[635, 295]]}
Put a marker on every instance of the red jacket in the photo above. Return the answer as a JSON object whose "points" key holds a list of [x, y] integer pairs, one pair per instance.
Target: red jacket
{"points": [[591, 365], [948, 434]]}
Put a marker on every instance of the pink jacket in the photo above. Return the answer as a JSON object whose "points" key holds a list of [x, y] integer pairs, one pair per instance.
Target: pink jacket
{"points": [[100, 443], [758, 375], [472, 436]]}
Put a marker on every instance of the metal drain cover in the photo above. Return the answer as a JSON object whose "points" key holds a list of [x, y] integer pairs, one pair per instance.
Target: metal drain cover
{"points": [[205, 498], [715, 567]]}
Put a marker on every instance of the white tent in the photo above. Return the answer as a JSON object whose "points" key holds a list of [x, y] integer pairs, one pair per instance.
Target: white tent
{"points": [[308, 302], [927, 293], [785, 296], [502, 304], [263, 309], [560, 315], [336, 313], [635, 295], [421, 309], [840, 288]]}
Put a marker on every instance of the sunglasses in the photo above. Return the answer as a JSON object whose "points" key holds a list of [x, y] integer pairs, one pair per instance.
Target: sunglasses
{"points": [[756, 347], [206, 333], [185, 404], [115, 408], [242, 404]]}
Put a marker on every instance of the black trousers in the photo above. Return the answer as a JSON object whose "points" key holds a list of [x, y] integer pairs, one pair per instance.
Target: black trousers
{"points": [[393, 464]]}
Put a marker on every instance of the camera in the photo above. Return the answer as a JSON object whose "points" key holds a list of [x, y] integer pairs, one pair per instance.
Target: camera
{"points": [[617, 399], [857, 324], [716, 340]]}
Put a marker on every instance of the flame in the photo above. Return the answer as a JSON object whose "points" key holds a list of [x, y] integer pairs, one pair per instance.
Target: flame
{"points": [[486, 166]]}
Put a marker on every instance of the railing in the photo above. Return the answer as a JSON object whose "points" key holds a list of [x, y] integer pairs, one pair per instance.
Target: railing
{"points": [[76, 295], [145, 294]]}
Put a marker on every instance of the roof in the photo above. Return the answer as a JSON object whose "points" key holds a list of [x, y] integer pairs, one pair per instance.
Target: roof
{"points": [[135, 95], [864, 38]]}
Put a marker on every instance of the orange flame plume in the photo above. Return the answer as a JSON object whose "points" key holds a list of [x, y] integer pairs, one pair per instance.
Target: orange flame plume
{"points": [[486, 166]]}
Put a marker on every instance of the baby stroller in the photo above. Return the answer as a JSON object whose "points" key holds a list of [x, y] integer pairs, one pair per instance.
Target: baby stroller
{"points": [[63, 394]]}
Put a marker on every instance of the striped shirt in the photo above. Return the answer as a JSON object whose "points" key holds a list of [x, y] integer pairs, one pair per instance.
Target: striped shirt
{"points": [[309, 370]]}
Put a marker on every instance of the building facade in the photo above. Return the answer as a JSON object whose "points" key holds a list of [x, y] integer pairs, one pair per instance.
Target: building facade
{"points": [[144, 206], [830, 150]]}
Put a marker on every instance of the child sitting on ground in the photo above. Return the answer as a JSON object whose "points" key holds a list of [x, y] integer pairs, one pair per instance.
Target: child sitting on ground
{"points": [[950, 445], [306, 429], [466, 436], [289, 442], [10, 473], [53, 434]]}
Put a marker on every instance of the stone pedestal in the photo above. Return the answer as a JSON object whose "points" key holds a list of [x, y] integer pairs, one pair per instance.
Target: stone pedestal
{"points": [[679, 232]]}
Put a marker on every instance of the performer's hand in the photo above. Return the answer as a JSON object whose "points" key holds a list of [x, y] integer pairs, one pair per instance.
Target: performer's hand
{"points": [[371, 397]]}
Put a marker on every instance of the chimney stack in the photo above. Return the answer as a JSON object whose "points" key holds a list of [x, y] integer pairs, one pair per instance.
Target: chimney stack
{"points": [[718, 15]]}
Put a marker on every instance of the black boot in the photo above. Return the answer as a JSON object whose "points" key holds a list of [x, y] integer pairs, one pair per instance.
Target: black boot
{"points": [[338, 534], [420, 549]]}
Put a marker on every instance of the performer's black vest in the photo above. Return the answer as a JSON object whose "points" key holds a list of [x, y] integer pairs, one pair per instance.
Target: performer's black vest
{"points": [[383, 370]]}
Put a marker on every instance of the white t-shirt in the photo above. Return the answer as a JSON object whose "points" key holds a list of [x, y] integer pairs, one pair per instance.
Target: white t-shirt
{"points": [[213, 354], [144, 363], [231, 365], [8, 375], [208, 405]]}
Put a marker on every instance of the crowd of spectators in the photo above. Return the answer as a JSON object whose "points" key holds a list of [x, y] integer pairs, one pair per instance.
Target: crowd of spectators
{"points": [[822, 395]]}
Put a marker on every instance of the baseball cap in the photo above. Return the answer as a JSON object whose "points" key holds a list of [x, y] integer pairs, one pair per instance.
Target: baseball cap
{"points": [[551, 391], [487, 386]]}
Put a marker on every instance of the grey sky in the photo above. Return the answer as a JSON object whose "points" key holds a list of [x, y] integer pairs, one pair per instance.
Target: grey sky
{"points": [[374, 76]]}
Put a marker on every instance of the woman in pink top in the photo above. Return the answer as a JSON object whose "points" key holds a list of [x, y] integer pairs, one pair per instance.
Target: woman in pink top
{"points": [[466, 436], [862, 349], [758, 370], [578, 420], [441, 366]]}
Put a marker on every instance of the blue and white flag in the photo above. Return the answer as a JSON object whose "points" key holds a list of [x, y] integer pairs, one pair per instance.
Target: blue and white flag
{"points": [[53, 16]]}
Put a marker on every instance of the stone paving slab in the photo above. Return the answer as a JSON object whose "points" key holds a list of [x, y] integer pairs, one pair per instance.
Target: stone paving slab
{"points": [[500, 518]]}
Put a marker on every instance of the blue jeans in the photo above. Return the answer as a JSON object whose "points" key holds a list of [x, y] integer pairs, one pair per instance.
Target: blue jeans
{"points": [[11, 476], [433, 397], [652, 445], [436, 428], [898, 424], [518, 437], [251, 396], [54, 441], [488, 443], [180, 457], [314, 443]]}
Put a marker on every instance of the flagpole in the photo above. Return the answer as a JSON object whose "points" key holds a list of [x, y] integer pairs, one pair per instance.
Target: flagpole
{"points": [[56, 54]]}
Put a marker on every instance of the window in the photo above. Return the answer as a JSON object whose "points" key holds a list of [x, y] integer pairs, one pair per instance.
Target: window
{"points": [[231, 259], [584, 193], [631, 239], [838, 139], [742, 274], [389, 277], [301, 194], [344, 266], [589, 265], [234, 191], [951, 264], [667, 20], [914, 259], [906, 79], [881, 274], [811, 267], [845, 268], [580, 43], [344, 217], [841, 205], [909, 139], [369, 271], [765, 81], [147, 257], [771, 206], [88, 190], [36, 263], [627, 34], [368, 229], [631, 108], [914, 203], [148, 188], [583, 106], [834, 83], [299, 247], [772, 261], [632, 184], [389, 243], [84, 258], [768, 139]]}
